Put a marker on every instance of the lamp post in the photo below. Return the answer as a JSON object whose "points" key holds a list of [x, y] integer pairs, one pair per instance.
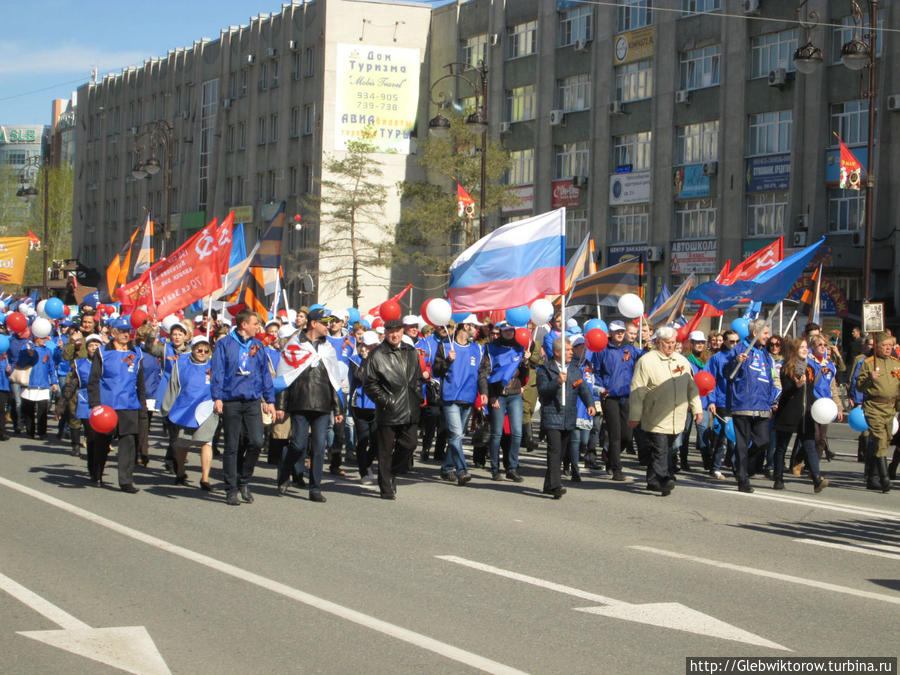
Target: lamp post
{"points": [[29, 193], [159, 133], [477, 122], [860, 52]]}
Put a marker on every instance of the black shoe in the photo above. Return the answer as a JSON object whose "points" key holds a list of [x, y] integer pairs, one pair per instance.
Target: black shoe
{"points": [[4, 437], [556, 493], [283, 487], [514, 476], [232, 499], [317, 497], [820, 485], [829, 455], [96, 482], [767, 473], [205, 486], [496, 475], [667, 487], [576, 478], [463, 478], [745, 487], [778, 485], [424, 456], [181, 480], [245, 494], [144, 460], [130, 489], [388, 495], [169, 466], [618, 476], [300, 482], [76, 451], [685, 465], [448, 476]]}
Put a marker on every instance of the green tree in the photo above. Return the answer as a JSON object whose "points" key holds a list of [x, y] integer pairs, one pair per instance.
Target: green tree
{"points": [[431, 233], [348, 218]]}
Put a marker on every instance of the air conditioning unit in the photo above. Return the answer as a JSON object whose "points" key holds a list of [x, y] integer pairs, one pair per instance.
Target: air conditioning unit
{"points": [[710, 168], [495, 39], [799, 239], [803, 221], [682, 96], [556, 118], [751, 7], [893, 102], [579, 181], [271, 52], [777, 77], [251, 59], [504, 127], [292, 45], [615, 108], [654, 253], [581, 45], [857, 239], [227, 102]]}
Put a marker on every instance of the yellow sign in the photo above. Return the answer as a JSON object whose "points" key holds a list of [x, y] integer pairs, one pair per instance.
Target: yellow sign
{"points": [[13, 251], [635, 45], [243, 214], [377, 96]]}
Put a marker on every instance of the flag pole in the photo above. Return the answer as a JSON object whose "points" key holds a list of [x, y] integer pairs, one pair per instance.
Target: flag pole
{"points": [[152, 295], [562, 286], [208, 313], [789, 323]]}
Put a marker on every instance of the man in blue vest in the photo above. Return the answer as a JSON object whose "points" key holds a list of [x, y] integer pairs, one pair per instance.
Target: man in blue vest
{"points": [[241, 387]]}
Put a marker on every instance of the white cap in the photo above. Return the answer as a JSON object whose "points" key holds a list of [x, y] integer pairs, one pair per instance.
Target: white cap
{"points": [[380, 330], [286, 331], [697, 336], [408, 340], [199, 339], [224, 320], [577, 340], [370, 338], [616, 325], [410, 320], [177, 324], [273, 322], [93, 337], [472, 319], [572, 323]]}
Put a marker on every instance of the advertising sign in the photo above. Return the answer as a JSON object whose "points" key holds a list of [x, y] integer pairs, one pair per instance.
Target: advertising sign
{"points": [[376, 97], [525, 194], [629, 188], [768, 173], [696, 256], [13, 251], [832, 301], [565, 194], [689, 182], [625, 253], [634, 45]]}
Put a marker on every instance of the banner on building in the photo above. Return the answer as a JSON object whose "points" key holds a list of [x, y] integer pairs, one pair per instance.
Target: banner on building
{"points": [[13, 251], [697, 256], [629, 188]]}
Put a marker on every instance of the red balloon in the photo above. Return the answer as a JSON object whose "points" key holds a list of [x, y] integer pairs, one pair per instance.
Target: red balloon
{"points": [[138, 317], [109, 310], [705, 382], [523, 337], [16, 322], [390, 309], [103, 419], [66, 310], [377, 322], [100, 308], [424, 311], [596, 340]]}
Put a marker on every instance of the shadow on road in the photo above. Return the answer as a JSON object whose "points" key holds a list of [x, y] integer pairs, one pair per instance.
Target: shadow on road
{"points": [[860, 531]]}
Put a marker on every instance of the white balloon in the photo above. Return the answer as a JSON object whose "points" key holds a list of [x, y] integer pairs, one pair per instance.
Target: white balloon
{"points": [[41, 327], [2, 306], [631, 306], [824, 411], [895, 426], [541, 311], [292, 315], [27, 310], [40, 309], [203, 410], [438, 311]]}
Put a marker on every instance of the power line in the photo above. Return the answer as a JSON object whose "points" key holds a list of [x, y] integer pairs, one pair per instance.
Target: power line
{"points": [[37, 91]]}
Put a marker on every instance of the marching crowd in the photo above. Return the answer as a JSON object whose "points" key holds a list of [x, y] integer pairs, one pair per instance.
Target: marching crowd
{"points": [[357, 394]]}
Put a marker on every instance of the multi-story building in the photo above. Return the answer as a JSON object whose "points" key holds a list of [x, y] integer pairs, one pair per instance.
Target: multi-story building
{"points": [[62, 125], [19, 143]]}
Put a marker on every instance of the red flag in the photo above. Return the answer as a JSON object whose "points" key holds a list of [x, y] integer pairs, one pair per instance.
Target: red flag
{"points": [[761, 260], [376, 310], [190, 273], [33, 241], [223, 242], [464, 201], [851, 169]]}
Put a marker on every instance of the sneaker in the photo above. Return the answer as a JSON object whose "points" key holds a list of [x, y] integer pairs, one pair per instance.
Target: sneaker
{"points": [[448, 476], [745, 487], [514, 476], [367, 479], [618, 476], [496, 475], [667, 487], [463, 478], [232, 499], [718, 475]]}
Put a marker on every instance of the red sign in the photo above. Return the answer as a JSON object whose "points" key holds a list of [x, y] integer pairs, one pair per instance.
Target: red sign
{"points": [[565, 194]]}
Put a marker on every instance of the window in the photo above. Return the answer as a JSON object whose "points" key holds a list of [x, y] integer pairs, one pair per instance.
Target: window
{"points": [[262, 83], [775, 50], [230, 143], [695, 219], [573, 159], [310, 61], [521, 40], [634, 81], [850, 121], [209, 105], [697, 143], [766, 213], [689, 7], [309, 118], [770, 133], [244, 77], [576, 227], [260, 130], [475, 50], [846, 210], [232, 85], [275, 73], [632, 150], [576, 24], [629, 224], [295, 74], [521, 168], [273, 127], [293, 180], [575, 92], [242, 135], [700, 67], [631, 14], [295, 122], [271, 185], [520, 104], [308, 183], [239, 190], [848, 31]]}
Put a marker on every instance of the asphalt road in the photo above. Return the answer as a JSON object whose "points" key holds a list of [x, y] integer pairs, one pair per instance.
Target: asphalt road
{"points": [[492, 576]]}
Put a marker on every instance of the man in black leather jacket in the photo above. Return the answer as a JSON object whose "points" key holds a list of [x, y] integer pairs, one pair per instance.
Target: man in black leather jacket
{"points": [[310, 400], [393, 380]]}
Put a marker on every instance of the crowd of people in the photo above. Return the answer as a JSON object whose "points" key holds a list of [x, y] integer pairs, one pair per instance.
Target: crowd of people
{"points": [[373, 396]]}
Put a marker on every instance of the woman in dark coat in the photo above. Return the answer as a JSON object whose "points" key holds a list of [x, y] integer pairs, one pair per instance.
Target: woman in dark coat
{"points": [[793, 415]]}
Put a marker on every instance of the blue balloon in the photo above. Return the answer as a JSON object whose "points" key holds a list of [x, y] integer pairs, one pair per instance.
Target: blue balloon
{"points": [[729, 430], [364, 322], [92, 299], [596, 323], [857, 419], [54, 308], [353, 315], [4, 344], [518, 316], [456, 317], [741, 327]]}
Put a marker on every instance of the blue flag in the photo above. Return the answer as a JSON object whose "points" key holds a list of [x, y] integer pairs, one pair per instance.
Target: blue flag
{"points": [[773, 285], [661, 297]]}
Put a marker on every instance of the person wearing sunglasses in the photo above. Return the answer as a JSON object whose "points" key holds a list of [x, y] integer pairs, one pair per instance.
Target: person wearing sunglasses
{"points": [[188, 404]]}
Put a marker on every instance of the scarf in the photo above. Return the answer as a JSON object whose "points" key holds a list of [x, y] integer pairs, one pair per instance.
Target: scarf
{"points": [[696, 361]]}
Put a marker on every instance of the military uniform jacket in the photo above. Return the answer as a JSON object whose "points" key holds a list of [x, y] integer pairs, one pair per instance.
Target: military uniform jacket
{"points": [[879, 394]]}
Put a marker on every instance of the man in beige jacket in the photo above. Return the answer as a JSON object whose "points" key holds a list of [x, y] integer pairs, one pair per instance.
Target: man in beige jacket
{"points": [[662, 390]]}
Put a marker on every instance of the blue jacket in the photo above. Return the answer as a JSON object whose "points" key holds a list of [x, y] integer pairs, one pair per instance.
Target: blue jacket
{"points": [[4, 375], [855, 394], [753, 387], [548, 341], [358, 397], [716, 367], [823, 376], [233, 379], [587, 372], [614, 368], [43, 367], [152, 373], [704, 400], [554, 415]]}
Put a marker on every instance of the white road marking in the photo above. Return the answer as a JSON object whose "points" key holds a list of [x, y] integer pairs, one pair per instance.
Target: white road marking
{"points": [[128, 648], [443, 649], [672, 615], [814, 583], [882, 551]]}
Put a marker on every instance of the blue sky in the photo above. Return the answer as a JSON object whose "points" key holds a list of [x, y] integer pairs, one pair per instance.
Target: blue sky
{"points": [[50, 45]]}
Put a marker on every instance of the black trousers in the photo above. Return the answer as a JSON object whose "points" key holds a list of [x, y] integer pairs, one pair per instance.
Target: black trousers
{"points": [[396, 443], [557, 444], [749, 430], [144, 433], [658, 467], [35, 414], [98, 451], [239, 459], [615, 416], [366, 429], [4, 402], [434, 430]]}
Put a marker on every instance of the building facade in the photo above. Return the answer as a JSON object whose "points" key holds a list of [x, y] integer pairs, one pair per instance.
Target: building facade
{"points": [[19, 143]]}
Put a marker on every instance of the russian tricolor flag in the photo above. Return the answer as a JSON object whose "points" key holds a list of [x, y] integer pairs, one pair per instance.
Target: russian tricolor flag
{"points": [[512, 266]]}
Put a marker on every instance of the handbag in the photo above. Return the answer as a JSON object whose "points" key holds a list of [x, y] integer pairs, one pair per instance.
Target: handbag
{"points": [[21, 376]]}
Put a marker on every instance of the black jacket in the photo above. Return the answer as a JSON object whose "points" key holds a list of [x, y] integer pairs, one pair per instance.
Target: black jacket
{"points": [[393, 380], [312, 390], [554, 415], [794, 404]]}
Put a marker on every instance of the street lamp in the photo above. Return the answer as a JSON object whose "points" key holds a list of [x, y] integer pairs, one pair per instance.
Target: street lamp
{"points": [[158, 133], [477, 122], [856, 54], [30, 192]]}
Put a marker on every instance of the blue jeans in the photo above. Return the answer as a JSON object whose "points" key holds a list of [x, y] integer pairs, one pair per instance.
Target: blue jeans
{"points": [[306, 426], [507, 405], [720, 447], [577, 439], [457, 417], [782, 440]]}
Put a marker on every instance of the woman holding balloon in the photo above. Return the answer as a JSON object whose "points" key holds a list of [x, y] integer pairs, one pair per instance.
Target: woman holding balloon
{"points": [[38, 359]]}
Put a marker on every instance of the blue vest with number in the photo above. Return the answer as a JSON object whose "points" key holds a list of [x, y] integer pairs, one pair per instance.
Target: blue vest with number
{"points": [[118, 385], [193, 378], [461, 379], [83, 372], [505, 362]]}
